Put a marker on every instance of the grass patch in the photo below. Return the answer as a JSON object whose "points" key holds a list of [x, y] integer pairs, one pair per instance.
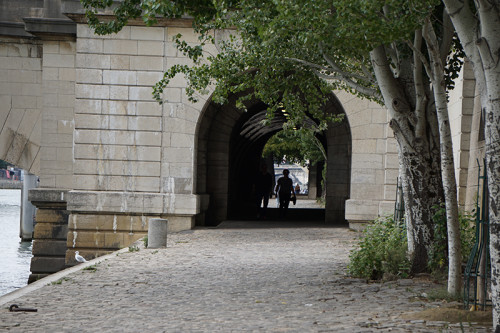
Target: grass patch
{"points": [[91, 268], [133, 248]]}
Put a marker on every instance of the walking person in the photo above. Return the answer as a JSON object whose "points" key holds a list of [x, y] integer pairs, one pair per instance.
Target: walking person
{"points": [[263, 187], [285, 191]]}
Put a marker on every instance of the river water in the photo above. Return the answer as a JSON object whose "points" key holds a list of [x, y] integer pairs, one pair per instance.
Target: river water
{"points": [[15, 256]]}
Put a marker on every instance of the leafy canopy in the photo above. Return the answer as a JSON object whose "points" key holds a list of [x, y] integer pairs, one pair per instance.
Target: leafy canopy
{"points": [[287, 54]]}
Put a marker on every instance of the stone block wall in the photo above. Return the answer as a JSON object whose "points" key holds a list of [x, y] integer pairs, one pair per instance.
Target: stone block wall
{"points": [[20, 102], [133, 158], [374, 166], [58, 89], [461, 111]]}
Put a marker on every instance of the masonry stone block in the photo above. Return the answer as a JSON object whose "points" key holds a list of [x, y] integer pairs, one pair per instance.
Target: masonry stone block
{"points": [[367, 191], [368, 131], [92, 91], [46, 265], [176, 125], [88, 106], [58, 60], [112, 46], [89, 45], [98, 61], [117, 122], [119, 77], [31, 64], [141, 93], [48, 247], [188, 34], [147, 33], [148, 153], [180, 170], [148, 78], [89, 76], [390, 192], [119, 107], [87, 136], [367, 161], [150, 48], [45, 230], [391, 161], [120, 62], [363, 176], [361, 210], [148, 138], [118, 92], [149, 109], [144, 63], [144, 123], [178, 155], [85, 182]]}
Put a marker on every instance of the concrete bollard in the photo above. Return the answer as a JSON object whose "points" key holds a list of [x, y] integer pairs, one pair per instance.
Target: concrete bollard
{"points": [[157, 233]]}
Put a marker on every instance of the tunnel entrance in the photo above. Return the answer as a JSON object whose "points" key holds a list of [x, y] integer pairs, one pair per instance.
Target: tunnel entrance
{"points": [[228, 154]]}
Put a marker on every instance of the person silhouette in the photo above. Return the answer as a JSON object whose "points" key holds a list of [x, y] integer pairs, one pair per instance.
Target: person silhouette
{"points": [[263, 187], [285, 191]]}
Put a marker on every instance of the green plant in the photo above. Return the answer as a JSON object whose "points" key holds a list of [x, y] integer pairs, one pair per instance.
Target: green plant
{"points": [[438, 254], [91, 268], [441, 294], [145, 240], [133, 248], [383, 249]]}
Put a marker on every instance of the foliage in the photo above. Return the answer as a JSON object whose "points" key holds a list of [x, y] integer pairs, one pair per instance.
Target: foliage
{"points": [[442, 294], [4, 165], [287, 54], [91, 268], [382, 250], [438, 255], [133, 248], [145, 241], [295, 146]]}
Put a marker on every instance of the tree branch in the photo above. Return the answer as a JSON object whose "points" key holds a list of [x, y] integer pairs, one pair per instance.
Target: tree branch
{"points": [[448, 32], [421, 97], [341, 76], [352, 84]]}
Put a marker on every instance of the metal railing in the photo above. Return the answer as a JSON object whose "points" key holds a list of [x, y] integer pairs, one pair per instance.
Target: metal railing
{"points": [[477, 272], [399, 204]]}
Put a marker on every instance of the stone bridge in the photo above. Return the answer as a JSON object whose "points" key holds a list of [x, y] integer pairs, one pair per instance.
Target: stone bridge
{"points": [[76, 109]]}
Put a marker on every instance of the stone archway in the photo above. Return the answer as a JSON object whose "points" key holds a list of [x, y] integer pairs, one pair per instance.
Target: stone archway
{"points": [[228, 147]]}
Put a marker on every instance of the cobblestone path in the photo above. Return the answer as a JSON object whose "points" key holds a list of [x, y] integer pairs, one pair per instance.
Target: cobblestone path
{"points": [[227, 279]]}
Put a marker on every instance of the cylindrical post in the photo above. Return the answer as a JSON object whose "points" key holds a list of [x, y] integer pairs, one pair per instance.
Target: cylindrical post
{"points": [[157, 233], [27, 209]]}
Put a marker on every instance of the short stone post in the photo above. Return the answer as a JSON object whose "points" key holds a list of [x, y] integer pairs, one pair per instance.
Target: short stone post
{"points": [[157, 233]]}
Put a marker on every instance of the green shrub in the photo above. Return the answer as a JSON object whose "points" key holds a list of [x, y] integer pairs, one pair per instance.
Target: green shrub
{"points": [[438, 254], [383, 249]]}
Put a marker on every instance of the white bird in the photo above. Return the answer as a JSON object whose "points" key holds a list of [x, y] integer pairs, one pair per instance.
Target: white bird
{"points": [[79, 258]]}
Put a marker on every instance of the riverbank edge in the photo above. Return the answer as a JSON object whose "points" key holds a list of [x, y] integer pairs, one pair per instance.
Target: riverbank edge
{"points": [[13, 295]]}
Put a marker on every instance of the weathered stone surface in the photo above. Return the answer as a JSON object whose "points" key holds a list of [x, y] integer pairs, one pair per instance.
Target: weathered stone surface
{"points": [[47, 264], [50, 247], [240, 277]]}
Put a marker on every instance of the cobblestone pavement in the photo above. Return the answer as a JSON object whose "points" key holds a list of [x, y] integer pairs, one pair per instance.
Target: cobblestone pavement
{"points": [[228, 279]]}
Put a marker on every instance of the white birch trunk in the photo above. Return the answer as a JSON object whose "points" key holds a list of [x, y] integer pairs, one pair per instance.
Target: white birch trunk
{"points": [[418, 159], [479, 34], [436, 73]]}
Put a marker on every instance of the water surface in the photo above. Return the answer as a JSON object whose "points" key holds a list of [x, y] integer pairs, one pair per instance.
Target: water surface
{"points": [[15, 256]]}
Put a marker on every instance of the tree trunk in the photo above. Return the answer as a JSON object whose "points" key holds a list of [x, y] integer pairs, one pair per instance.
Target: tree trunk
{"points": [[436, 73], [479, 34], [415, 129]]}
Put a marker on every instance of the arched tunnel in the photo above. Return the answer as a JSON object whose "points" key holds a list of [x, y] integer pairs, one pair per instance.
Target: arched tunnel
{"points": [[229, 147]]}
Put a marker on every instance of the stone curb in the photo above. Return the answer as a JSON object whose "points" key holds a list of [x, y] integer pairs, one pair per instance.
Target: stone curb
{"points": [[56, 276]]}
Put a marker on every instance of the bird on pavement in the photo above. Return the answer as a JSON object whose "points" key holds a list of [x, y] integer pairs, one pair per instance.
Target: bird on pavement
{"points": [[79, 258]]}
